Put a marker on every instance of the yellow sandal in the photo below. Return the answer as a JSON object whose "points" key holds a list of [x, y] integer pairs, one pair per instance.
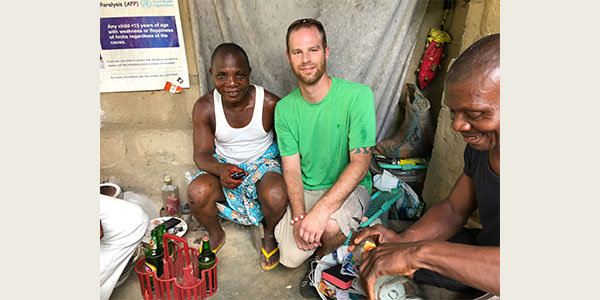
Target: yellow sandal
{"points": [[267, 256], [219, 247]]}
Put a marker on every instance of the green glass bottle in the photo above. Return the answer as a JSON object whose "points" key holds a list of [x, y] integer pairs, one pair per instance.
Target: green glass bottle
{"points": [[154, 257], [161, 232], [206, 260]]}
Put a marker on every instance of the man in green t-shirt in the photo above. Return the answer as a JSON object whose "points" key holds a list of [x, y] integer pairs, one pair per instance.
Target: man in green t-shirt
{"points": [[326, 132]]}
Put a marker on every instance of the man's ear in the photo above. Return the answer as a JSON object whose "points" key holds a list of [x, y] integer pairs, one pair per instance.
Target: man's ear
{"points": [[210, 71], [249, 70], [287, 55], [326, 52]]}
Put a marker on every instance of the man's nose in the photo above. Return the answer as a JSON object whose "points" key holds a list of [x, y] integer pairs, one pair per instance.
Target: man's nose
{"points": [[306, 57], [230, 81], [459, 123]]}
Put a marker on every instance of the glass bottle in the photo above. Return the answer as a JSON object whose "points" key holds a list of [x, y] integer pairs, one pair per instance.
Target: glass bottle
{"points": [[154, 256], [170, 197], [206, 260], [161, 232]]}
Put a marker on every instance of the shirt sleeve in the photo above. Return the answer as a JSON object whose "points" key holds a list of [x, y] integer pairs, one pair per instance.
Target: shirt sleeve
{"points": [[288, 143], [362, 120]]}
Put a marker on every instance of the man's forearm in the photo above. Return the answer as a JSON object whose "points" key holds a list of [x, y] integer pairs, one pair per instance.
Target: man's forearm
{"points": [[475, 266], [295, 189], [438, 224], [354, 172], [207, 163]]}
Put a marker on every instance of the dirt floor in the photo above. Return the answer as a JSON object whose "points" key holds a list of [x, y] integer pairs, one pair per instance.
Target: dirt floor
{"points": [[239, 274]]}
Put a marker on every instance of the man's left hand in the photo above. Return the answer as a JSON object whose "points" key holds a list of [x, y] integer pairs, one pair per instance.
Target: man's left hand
{"points": [[300, 243], [386, 259], [313, 226]]}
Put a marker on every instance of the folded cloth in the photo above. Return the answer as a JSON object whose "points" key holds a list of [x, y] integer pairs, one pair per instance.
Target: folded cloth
{"points": [[242, 205]]}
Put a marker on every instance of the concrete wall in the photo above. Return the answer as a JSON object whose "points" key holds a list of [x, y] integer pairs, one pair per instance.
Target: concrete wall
{"points": [[468, 23], [146, 135]]}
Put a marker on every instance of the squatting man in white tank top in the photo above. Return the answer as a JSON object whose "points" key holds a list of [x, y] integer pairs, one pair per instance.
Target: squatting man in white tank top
{"points": [[233, 135]]}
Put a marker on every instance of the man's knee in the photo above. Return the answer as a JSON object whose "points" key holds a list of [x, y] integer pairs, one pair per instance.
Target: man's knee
{"points": [[201, 190], [273, 191], [275, 197]]}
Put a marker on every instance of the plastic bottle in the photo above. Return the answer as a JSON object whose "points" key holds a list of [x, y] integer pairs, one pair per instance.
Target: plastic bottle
{"points": [[170, 197], [352, 260], [396, 287], [366, 245]]}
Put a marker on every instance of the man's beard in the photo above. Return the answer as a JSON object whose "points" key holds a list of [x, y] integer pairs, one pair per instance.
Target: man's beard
{"points": [[312, 78]]}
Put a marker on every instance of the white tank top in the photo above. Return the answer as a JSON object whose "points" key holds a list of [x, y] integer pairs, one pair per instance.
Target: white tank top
{"points": [[246, 144]]}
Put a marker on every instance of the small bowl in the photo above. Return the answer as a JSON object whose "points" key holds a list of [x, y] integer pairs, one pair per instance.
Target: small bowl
{"points": [[110, 189]]}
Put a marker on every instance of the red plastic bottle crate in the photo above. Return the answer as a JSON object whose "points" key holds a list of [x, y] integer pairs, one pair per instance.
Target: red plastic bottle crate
{"points": [[180, 280]]}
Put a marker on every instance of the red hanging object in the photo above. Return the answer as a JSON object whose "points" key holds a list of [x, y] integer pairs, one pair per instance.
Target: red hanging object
{"points": [[430, 64], [434, 51]]}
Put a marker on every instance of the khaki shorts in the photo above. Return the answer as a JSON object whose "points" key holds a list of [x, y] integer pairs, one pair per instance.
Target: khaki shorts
{"points": [[348, 217]]}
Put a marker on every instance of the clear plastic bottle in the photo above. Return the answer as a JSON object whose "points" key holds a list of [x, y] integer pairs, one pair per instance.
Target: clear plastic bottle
{"points": [[366, 245], [396, 287], [170, 197], [352, 262]]}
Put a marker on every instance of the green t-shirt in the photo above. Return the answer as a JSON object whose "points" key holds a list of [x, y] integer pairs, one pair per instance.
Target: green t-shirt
{"points": [[325, 132]]}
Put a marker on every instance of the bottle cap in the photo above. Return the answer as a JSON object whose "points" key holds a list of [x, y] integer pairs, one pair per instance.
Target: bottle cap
{"points": [[368, 245], [167, 178], [205, 238]]}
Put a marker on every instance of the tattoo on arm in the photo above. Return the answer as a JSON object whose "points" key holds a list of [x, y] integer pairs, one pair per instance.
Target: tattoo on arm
{"points": [[362, 150]]}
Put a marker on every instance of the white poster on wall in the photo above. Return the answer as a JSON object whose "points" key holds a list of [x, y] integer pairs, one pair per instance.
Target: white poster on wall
{"points": [[141, 46]]}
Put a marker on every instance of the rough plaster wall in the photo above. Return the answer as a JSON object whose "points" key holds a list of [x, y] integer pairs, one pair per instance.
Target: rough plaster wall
{"points": [[146, 135], [481, 19]]}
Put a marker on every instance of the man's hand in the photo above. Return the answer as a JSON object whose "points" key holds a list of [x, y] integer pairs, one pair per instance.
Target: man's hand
{"points": [[313, 226], [225, 171], [382, 235], [300, 242], [386, 259]]}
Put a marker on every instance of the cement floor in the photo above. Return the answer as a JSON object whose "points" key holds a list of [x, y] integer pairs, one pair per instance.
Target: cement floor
{"points": [[239, 274]]}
